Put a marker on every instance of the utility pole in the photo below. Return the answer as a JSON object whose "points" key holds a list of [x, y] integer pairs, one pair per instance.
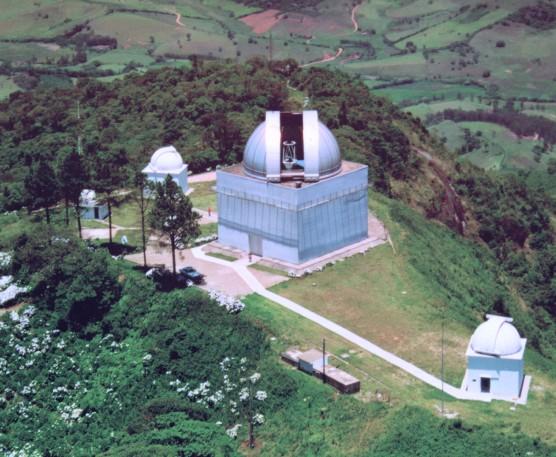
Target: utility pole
{"points": [[79, 147], [323, 361], [442, 363]]}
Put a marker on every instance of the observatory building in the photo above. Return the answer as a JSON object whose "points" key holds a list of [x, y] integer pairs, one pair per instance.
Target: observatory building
{"points": [[292, 198], [495, 359], [167, 161], [91, 208]]}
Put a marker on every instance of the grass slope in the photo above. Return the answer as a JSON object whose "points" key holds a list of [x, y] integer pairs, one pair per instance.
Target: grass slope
{"points": [[397, 300]]}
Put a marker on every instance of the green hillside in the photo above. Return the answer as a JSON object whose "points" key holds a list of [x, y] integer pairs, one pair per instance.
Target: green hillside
{"points": [[119, 383]]}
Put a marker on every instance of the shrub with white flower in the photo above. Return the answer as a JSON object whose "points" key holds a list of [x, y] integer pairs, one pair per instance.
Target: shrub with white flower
{"points": [[5, 260], [232, 304], [261, 395], [232, 431]]}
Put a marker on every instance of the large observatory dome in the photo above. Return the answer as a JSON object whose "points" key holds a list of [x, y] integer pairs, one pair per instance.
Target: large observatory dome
{"points": [[166, 160], [290, 145], [497, 336]]}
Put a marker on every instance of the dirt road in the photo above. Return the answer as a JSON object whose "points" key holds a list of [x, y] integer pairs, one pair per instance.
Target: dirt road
{"points": [[353, 18], [326, 59]]}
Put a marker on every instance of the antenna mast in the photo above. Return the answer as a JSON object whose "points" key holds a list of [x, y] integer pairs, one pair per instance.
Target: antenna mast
{"points": [[79, 147]]}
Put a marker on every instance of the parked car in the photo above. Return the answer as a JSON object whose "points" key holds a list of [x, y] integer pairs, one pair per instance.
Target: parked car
{"points": [[193, 275], [165, 280]]}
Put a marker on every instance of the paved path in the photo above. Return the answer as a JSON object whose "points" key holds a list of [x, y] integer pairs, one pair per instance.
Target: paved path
{"points": [[240, 267], [202, 177], [326, 59]]}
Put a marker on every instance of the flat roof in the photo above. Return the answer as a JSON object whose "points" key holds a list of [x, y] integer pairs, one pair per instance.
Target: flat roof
{"points": [[312, 355], [346, 167], [339, 375]]}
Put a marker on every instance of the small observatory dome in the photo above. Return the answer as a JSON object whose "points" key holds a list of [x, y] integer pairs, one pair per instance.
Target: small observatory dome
{"points": [[166, 160], [290, 145], [497, 336]]}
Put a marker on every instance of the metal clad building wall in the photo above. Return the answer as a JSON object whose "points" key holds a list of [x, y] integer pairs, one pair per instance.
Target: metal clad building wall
{"points": [[295, 224]]}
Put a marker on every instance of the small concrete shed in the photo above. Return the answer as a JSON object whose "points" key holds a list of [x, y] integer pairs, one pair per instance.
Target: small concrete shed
{"points": [[91, 208], [312, 360]]}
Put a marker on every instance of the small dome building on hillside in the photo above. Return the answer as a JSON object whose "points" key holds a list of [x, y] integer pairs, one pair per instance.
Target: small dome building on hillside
{"points": [[167, 161], [292, 198], [91, 208], [495, 359]]}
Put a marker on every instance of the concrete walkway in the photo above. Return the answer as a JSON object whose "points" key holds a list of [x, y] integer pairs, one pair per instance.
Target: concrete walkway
{"points": [[240, 267], [202, 177]]}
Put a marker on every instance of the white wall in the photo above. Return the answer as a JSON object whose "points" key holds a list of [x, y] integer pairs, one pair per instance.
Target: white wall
{"points": [[180, 179], [506, 374], [89, 212], [295, 225]]}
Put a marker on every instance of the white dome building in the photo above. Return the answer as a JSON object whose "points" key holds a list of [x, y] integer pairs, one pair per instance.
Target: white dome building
{"points": [[495, 359], [167, 161], [292, 198]]}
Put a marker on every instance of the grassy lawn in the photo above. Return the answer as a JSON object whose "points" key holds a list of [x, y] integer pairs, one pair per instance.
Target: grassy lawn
{"points": [[126, 214], [221, 256], [290, 330], [204, 196], [274, 271], [93, 224], [209, 229], [385, 297]]}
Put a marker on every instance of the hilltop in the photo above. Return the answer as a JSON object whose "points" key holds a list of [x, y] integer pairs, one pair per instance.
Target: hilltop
{"points": [[466, 242]]}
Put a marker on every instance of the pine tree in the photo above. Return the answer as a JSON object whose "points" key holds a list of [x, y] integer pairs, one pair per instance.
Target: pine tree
{"points": [[73, 178], [172, 215], [109, 176], [41, 187], [142, 185]]}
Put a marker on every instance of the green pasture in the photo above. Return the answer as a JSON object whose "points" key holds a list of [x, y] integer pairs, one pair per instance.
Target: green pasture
{"points": [[501, 150], [230, 7], [403, 9], [47, 19], [121, 57], [422, 110], [7, 86], [26, 52], [412, 65], [427, 90], [371, 15], [447, 32], [407, 29]]}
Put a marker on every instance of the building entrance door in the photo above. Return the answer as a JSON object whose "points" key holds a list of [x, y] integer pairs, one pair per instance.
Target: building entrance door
{"points": [[485, 385], [96, 212], [255, 245]]}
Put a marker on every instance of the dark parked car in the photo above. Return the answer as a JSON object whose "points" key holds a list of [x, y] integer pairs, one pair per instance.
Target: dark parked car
{"points": [[165, 280], [192, 274]]}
